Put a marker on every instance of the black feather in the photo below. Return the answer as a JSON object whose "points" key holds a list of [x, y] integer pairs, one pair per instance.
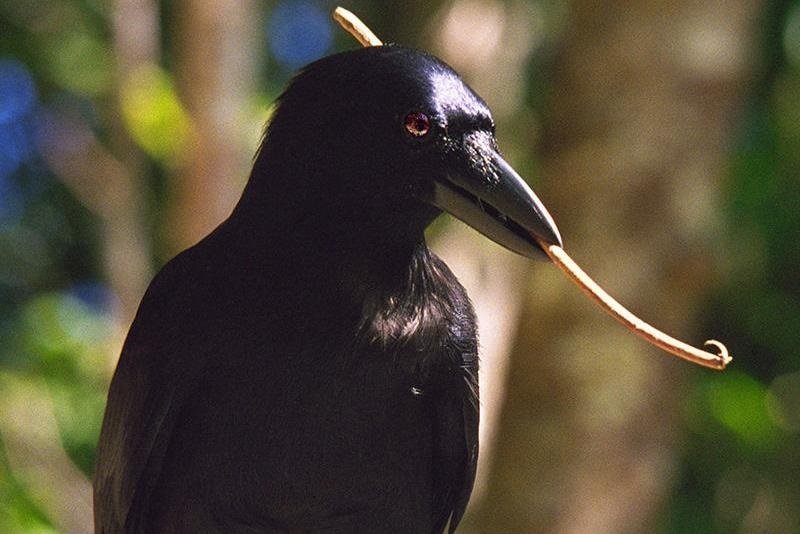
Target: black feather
{"points": [[310, 365]]}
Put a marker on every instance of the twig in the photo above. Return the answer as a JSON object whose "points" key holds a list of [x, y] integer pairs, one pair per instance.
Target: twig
{"points": [[355, 27], [633, 323]]}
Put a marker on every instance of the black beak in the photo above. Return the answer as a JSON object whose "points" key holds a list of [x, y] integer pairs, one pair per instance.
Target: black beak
{"points": [[485, 192]]}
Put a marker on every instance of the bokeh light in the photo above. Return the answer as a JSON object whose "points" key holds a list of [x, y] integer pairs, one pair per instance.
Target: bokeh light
{"points": [[153, 113], [17, 102], [16, 144], [17, 91], [95, 295], [10, 198], [791, 36], [82, 63], [299, 32], [738, 402]]}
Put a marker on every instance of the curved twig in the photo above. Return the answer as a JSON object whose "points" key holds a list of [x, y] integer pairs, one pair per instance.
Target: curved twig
{"points": [[355, 27], [634, 324]]}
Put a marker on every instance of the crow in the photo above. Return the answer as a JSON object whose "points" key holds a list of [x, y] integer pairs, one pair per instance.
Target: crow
{"points": [[310, 365]]}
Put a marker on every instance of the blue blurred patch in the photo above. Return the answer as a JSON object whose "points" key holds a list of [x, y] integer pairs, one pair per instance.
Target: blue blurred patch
{"points": [[94, 295], [17, 91], [10, 199], [299, 32], [16, 142], [16, 147], [17, 101]]}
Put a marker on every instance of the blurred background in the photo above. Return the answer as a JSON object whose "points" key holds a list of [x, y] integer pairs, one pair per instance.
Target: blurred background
{"points": [[664, 137]]}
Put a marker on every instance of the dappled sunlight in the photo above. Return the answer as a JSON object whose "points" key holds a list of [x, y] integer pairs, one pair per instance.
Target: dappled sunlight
{"points": [[154, 115]]}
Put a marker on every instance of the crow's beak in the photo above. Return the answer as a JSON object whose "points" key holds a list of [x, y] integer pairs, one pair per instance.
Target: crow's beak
{"points": [[485, 192]]}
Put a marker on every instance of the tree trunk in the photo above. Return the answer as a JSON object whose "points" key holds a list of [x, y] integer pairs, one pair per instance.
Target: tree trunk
{"points": [[216, 51], [643, 103]]}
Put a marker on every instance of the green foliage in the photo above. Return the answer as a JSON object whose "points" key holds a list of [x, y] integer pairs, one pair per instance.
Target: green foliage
{"points": [[738, 402], [153, 114], [740, 468]]}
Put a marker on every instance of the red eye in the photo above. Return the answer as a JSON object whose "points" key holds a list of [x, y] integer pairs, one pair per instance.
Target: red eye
{"points": [[417, 124]]}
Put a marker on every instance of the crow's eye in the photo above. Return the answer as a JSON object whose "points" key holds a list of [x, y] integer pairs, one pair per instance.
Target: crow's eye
{"points": [[417, 124]]}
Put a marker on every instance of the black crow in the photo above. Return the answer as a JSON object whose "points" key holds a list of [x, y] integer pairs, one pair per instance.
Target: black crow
{"points": [[311, 366]]}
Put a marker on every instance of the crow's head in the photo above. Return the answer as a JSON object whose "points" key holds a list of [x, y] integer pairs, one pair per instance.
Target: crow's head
{"points": [[387, 135]]}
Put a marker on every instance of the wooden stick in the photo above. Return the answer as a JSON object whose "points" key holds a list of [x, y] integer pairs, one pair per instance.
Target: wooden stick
{"points": [[633, 323], [355, 27]]}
